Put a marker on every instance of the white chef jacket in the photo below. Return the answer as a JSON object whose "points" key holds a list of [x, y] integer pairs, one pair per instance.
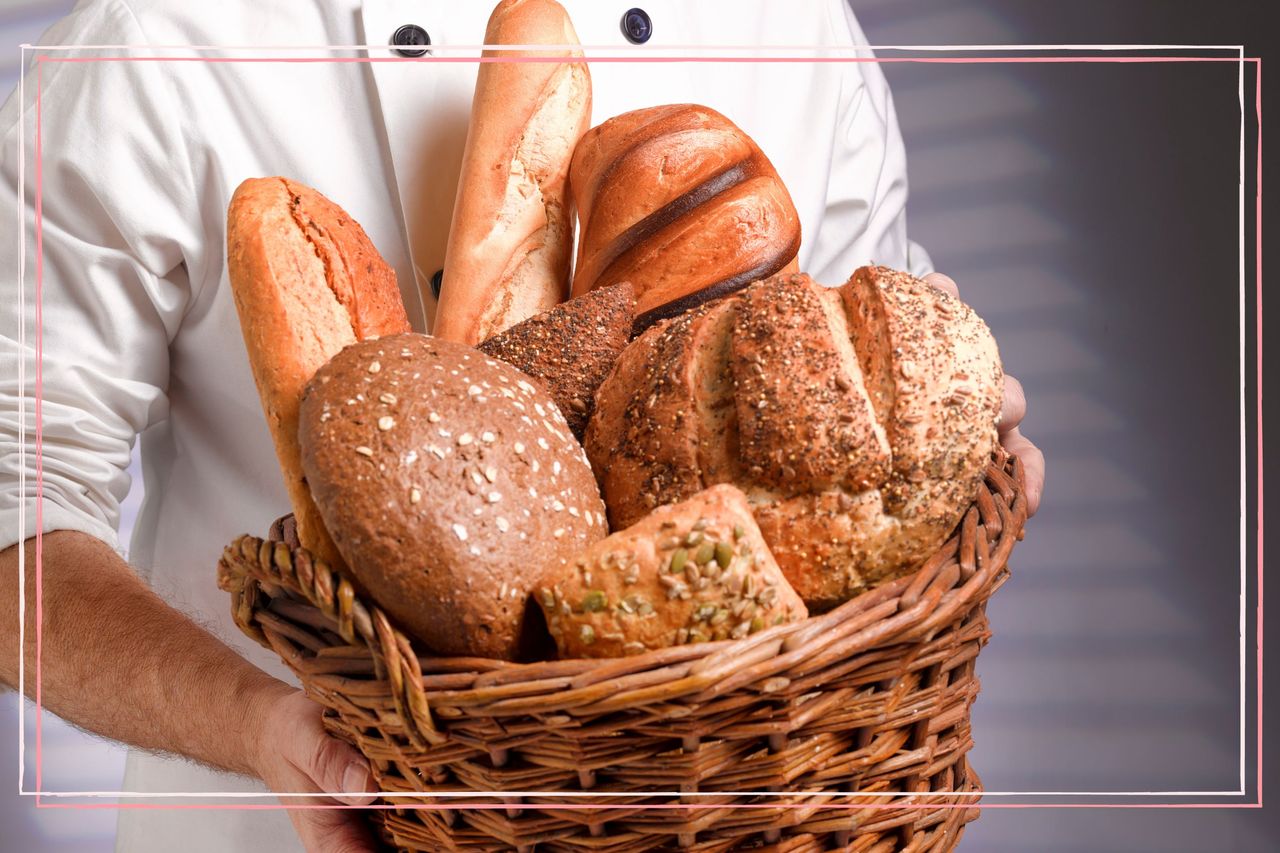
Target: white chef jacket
{"points": [[138, 163]]}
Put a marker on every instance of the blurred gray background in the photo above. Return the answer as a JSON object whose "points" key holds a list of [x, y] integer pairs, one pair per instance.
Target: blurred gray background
{"points": [[1089, 213]]}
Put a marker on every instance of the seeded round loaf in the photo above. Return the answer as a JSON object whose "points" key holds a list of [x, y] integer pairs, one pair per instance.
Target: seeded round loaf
{"points": [[450, 483], [689, 572], [858, 420]]}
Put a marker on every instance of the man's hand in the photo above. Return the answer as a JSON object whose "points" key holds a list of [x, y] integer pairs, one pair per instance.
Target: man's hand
{"points": [[119, 661], [1012, 412], [296, 755]]}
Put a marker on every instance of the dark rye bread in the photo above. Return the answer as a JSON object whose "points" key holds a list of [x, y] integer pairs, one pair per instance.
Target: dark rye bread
{"points": [[858, 420], [570, 348], [451, 485], [679, 201], [690, 572]]}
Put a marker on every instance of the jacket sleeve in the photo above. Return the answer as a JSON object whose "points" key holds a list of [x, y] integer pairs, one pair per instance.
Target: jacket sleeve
{"points": [[95, 180], [865, 216]]}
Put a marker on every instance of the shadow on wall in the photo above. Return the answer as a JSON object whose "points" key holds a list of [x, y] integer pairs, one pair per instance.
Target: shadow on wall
{"points": [[1115, 661], [1090, 214]]}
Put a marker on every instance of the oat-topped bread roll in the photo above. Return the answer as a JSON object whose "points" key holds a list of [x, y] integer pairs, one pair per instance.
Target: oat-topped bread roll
{"points": [[307, 281], [511, 240], [858, 420], [570, 348], [680, 202], [451, 485], [686, 573]]}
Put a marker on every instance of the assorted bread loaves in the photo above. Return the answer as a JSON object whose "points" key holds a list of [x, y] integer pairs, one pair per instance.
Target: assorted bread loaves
{"points": [[760, 446], [858, 420], [451, 484]]}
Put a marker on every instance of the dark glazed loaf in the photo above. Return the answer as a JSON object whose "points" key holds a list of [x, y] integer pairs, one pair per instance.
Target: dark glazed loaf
{"points": [[681, 203]]}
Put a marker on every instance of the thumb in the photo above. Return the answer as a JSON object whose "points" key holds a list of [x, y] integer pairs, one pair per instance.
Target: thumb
{"points": [[338, 769], [945, 283]]}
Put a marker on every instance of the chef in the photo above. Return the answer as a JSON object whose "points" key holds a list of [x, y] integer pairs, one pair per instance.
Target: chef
{"points": [[130, 159]]}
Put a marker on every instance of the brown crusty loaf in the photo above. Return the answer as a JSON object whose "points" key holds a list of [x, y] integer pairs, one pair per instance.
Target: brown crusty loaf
{"points": [[858, 420], [689, 572], [570, 348], [451, 485], [680, 202], [307, 281], [511, 240]]}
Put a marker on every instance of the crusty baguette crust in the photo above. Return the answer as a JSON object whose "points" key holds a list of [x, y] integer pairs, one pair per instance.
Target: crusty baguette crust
{"points": [[690, 572], [511, 239], [680, 202], [858, 420], [306, 281]]}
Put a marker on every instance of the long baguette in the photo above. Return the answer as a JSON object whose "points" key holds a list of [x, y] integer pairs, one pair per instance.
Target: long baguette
{"points": [[511, 239], [307, 282]]}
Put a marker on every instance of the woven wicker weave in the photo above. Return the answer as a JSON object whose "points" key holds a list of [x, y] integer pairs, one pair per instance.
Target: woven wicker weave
{"points": [[870, 698]]}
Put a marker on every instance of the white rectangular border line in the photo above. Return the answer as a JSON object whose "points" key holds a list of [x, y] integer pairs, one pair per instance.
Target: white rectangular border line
{"points": [[22, 413], [807, 49], [1244, 552], [21, 694]]}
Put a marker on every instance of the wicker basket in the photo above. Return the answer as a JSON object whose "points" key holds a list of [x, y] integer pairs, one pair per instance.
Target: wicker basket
{"points": [[787, 740]]}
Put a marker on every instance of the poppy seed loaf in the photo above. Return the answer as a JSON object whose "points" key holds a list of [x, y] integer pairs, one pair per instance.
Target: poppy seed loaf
{"points": [[450, 483], [858, 420]]}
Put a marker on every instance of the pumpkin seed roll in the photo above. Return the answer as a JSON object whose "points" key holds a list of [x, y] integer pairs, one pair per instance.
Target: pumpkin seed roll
{"points": [[686, 573]]}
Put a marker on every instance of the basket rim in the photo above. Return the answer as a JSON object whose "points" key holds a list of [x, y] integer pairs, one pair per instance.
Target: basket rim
{"points": [[262, 573]]}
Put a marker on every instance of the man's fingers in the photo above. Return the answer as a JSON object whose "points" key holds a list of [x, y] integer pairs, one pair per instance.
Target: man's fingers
{"points": [[943, 282], [331, 830], [302, 758], [331, 764], [1032, 462], [339, 769], [1012, 410], [1014, 406]]}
